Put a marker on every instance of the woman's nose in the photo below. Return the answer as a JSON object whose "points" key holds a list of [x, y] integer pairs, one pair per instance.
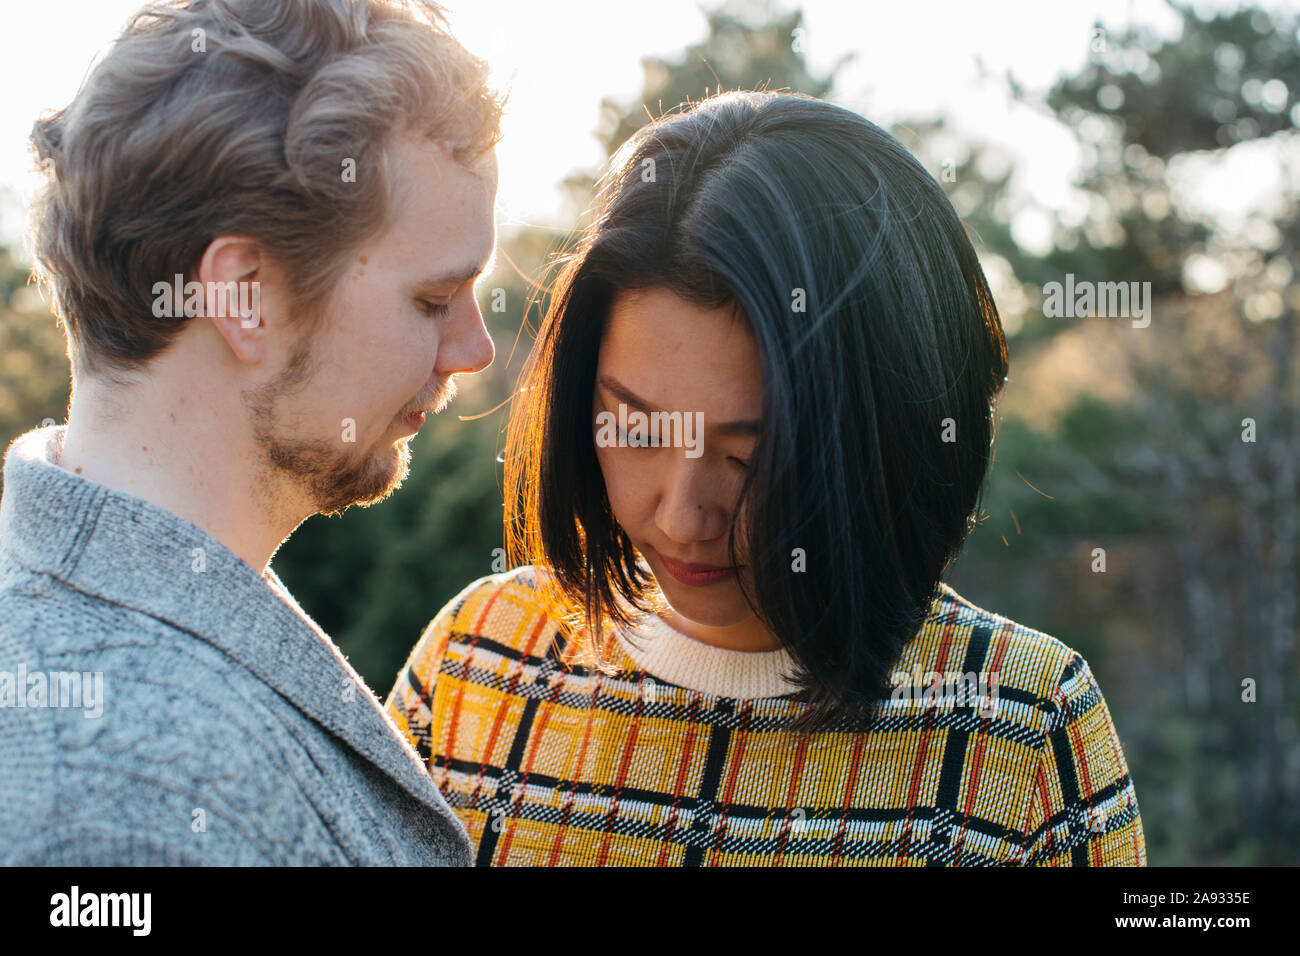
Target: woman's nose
{"points": [[689, 507]]}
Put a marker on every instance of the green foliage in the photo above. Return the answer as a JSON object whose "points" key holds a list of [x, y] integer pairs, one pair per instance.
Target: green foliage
{"points": [[1201, 92], [34, 373], [1198, 526]]}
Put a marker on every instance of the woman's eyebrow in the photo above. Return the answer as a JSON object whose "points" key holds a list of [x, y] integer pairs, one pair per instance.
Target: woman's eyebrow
{"points": [[625, 394], [629, 397]]}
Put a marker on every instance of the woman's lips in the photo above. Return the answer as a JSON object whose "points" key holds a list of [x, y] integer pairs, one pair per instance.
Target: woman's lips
{"points": [[696, 575]]}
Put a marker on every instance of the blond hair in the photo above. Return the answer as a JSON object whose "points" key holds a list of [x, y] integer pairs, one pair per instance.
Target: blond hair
{"points": [[265, 118]]}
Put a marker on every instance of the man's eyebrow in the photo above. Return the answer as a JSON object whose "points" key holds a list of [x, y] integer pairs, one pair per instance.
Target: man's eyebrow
{"points": [[629, 397], [457, 276]]}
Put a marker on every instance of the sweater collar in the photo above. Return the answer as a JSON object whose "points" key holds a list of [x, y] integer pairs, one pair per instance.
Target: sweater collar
{"points": [[666, 653], [124, 550]]}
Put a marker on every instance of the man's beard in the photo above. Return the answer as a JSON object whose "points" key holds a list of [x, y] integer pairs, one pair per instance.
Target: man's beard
{"points": [[331, 477]]}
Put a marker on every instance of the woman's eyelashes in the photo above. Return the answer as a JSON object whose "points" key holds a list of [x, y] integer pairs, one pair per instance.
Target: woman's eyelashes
{"points": [[640, 440]]}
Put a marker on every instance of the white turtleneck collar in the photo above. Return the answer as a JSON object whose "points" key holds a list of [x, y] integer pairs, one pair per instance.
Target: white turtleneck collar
{"points": [[669, 655]]}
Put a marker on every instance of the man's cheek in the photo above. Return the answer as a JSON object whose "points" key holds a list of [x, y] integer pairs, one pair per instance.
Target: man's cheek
{"points": [[355, 424]]}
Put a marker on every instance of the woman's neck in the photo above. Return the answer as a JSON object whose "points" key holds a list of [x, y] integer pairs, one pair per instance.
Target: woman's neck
{"points": [[748, 635]]}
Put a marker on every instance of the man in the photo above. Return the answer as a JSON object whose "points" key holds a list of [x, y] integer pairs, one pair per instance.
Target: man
{"points": [[262, 228]]}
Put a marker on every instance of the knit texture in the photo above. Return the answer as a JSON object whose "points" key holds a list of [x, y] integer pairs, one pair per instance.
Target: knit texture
{"points": [[232, 729], [670, 656], [550, 763]]}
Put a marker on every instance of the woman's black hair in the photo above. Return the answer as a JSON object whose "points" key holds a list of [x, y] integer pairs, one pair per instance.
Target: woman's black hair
{"points": [[882, 353]]}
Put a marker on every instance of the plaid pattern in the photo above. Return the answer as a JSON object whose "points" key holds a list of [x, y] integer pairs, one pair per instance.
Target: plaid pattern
{"points": [[550, 763]]}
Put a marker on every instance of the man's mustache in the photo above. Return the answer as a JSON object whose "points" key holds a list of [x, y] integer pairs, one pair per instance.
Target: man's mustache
{"points": [[440, 398]]}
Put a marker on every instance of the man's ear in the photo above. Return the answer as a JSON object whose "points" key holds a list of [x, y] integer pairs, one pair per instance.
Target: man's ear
{"points": [[231, 272]]}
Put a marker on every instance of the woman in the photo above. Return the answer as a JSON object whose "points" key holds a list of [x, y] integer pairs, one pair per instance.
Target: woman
{"points": [[751, 438]]}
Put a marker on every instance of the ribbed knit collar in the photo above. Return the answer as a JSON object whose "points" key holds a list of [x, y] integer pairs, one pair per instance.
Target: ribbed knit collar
{"points": [[671, 656]]}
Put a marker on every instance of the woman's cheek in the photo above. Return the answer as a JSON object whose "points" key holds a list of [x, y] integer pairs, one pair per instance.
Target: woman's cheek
{"points": [[602, 459], [626, 482]]}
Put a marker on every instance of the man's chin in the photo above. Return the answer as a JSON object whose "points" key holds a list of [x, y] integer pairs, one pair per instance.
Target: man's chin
{"points": [[351, 486]]}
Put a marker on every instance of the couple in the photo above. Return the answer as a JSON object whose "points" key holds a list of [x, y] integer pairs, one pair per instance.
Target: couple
{"points": [[735, 653]]}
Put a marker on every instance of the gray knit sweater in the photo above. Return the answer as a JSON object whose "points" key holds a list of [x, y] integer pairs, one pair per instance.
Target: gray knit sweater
{"points": [[163, 703]]}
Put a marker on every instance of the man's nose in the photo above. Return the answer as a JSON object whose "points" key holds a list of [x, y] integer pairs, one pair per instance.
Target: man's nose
{"points": [[466, 346]]}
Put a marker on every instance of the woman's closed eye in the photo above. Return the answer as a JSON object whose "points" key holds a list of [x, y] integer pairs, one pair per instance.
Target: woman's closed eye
{"points": [[641, 440], [635, 439], [433, 309]]}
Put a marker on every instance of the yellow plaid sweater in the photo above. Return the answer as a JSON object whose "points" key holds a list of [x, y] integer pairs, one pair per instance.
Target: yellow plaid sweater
{"points": [[549, 763]]}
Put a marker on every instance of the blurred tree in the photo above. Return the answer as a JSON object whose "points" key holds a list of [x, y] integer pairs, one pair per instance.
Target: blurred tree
{"points": [[749, 46], [1217, 391], [1198, 513], [34, 377]]}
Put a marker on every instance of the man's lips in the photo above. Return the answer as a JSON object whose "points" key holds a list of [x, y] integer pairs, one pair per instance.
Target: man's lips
{"points": [[695, 575], [446, 392], [414, 420]]}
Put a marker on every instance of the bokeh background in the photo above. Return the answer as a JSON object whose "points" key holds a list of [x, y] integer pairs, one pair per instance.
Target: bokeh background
{"points": [[1132, 510]]}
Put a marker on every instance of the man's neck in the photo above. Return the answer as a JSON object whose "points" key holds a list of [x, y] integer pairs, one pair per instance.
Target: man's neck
{"points": [[189, 453]]}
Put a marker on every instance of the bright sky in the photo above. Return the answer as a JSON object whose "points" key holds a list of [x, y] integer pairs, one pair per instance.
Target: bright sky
{"points": [[561, 57]]}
